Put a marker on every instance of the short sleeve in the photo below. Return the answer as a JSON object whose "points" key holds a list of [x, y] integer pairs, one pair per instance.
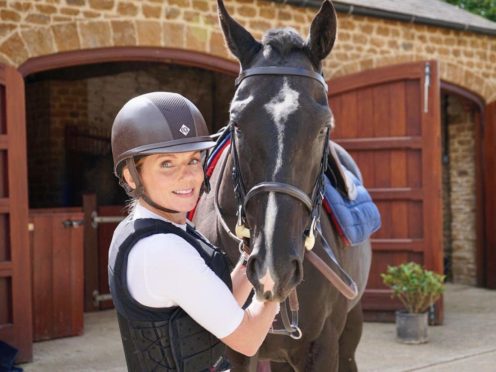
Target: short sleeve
{"points": [[164, 270]]}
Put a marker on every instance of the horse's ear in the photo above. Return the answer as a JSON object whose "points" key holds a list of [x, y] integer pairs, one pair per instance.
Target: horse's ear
{"points": [[239, 40], [323, 31]]}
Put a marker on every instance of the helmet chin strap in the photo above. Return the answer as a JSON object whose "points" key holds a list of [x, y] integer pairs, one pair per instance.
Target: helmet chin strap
{"points": [[139, 191]]}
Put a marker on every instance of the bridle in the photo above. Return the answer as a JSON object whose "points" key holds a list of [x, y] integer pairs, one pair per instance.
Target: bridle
{"points": [[312, 202], [330, 269]]}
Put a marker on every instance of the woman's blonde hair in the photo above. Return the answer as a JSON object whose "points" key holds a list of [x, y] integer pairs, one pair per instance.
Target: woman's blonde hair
{"points": [[132, 202]]}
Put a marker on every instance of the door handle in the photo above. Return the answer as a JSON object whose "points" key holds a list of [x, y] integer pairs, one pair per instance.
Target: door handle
{"points": [[73, 223]]}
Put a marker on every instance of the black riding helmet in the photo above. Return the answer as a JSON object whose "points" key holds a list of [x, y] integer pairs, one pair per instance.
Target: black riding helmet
{"points": [[155, 123]]}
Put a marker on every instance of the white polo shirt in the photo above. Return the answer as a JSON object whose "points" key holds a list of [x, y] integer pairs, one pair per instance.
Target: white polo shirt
{"points": [[164, 270]]}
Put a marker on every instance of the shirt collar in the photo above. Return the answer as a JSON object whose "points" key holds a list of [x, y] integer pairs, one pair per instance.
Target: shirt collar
{"points": [[141, 211]]}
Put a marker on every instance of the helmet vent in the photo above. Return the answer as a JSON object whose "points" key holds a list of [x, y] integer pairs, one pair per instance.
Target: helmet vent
{"points": [[176, 112]]}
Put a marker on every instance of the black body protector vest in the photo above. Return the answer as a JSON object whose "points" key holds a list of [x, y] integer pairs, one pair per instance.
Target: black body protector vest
{"points": [[163, 339]]}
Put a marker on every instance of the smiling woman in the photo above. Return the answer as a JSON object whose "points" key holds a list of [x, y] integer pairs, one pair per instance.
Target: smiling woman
{"points": [[175, 298], [173, 179]]}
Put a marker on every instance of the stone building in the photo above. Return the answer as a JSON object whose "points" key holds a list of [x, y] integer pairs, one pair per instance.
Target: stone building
{"points": [[75, 62]]}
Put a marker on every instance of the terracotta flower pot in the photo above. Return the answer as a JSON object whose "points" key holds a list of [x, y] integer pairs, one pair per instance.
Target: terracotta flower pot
{"points": [[412, 328]]}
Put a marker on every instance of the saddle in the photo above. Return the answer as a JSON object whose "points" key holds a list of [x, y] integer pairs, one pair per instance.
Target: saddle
{"points": [[346, 200], [340, 163]]}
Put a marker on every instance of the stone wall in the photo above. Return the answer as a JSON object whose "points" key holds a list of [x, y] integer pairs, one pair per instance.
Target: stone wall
{"points": [[447, 234], [462, 191], [36, 28]]}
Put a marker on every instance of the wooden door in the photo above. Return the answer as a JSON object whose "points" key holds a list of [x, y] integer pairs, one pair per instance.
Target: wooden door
{"points": [[489, 181], [101, 222], [389, 120], [15, 267], [56, 241]]}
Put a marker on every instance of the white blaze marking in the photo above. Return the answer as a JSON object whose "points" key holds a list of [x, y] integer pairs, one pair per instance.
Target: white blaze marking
{"points": [[279, 108], [267, 282], [270, 223], [270, 217]]}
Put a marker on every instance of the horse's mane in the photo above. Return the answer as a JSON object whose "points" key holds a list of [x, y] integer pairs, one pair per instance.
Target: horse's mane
{"points": [[284, 40]]}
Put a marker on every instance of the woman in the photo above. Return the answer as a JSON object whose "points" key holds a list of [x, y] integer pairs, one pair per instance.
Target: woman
{"points": [[170, 286]]}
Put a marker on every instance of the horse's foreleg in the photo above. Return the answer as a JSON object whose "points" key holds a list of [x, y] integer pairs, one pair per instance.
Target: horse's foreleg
{"points": [[280, 367], [350, 337], [241, 363], [323, 355]]}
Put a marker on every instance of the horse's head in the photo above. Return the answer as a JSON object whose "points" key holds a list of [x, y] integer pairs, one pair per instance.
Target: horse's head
{"points": [[280, 122]]}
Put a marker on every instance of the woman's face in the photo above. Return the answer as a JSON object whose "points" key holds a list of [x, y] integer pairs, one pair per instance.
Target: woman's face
{"points": [[173, 180]]}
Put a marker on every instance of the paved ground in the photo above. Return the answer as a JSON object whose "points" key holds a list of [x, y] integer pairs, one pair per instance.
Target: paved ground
{"points": [[466, 342]]}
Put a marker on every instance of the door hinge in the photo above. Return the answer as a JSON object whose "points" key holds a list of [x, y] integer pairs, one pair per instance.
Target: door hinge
{"points": [[97, 297], [30, 226]]}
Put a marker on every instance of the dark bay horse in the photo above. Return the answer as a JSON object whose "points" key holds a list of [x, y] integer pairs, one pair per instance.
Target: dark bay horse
{"points": [[280, 122]]}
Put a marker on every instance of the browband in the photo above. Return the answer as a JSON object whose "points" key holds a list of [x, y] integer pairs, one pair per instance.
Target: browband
{"points": [[277, 70]]}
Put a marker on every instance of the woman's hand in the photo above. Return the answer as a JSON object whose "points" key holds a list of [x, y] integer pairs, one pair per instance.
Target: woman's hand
{"points": [[258, 318], [241, 285]]}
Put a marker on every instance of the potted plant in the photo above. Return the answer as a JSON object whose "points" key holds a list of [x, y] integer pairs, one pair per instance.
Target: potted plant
{"points": [[417, 289]]}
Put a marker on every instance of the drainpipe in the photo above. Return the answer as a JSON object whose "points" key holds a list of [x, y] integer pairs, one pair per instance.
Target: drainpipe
{"points": [[386, 14]]}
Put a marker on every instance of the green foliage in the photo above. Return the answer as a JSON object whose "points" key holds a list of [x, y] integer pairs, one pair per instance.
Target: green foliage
{"points": [[416, 287], [484, 8]]}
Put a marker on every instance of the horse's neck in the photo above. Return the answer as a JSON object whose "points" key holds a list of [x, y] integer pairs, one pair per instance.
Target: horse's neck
{"points": [[223, 190], [227, 201]]}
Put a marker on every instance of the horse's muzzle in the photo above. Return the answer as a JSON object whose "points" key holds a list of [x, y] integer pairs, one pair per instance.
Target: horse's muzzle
{"points": [[273, 281]]}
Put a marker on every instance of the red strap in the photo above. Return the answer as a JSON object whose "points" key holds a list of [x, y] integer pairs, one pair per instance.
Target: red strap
{"points": [[214, 161], [335, 222], [209, 172]]}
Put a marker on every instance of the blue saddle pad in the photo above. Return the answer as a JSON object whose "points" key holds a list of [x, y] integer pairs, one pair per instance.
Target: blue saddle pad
{"points": [[355, 219]]}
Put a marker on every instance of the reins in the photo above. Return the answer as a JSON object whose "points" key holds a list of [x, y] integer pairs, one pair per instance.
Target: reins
{"points": [[329, 267]]}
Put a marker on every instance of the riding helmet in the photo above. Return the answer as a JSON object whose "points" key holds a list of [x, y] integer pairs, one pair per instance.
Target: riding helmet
{"points": [[158, 122]]}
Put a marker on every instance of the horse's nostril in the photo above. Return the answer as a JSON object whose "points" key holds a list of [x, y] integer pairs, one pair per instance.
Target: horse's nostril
{"points": [[251, 267]]}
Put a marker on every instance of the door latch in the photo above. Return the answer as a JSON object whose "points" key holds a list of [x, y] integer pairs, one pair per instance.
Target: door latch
{"points": [[73, 223]]}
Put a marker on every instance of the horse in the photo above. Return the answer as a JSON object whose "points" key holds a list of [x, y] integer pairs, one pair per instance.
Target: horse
{"points": [[267, 190]]}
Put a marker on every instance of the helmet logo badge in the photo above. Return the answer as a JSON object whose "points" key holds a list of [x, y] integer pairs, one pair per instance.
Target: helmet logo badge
{"points": [[184, 130]]}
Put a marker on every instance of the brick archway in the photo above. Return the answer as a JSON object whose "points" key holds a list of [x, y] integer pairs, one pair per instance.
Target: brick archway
{"points": [[23, 45], [127, 54], [449, 72]]}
